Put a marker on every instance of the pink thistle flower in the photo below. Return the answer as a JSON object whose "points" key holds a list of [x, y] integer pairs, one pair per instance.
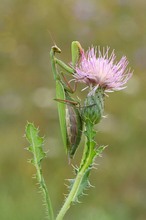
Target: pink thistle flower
{"points": [[98, 69]]}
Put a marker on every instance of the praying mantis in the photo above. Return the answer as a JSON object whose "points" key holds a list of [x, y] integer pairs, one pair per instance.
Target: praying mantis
{"points": [[69, 114]]}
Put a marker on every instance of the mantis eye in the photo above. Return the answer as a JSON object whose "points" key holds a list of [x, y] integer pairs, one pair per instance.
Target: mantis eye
{"points": [[56, 49]]}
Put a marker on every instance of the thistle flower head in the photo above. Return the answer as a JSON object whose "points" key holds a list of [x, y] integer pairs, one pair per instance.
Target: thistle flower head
{"points": [[99, 69]]}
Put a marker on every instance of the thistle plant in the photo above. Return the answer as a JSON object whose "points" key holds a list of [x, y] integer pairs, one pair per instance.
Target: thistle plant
{"points": [[100, 73]]}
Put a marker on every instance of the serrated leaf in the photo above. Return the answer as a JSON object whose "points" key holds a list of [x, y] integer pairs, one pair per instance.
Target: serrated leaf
{"points": [[83, 185], [99, 150], [36, 144], [36, 148]]}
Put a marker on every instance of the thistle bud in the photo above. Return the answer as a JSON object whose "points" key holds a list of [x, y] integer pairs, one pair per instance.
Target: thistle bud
{"points": [[93, 107]]}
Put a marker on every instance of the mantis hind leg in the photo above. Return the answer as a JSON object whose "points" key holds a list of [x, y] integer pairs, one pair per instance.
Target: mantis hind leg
{"points": [[67, 101]]}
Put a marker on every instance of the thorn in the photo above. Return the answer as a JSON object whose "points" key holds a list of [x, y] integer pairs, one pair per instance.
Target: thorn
{"points": [[87, 188], [84, 88], [79, 98], [78, 201], [91, 185], [94, 164], [46, 152], [66, 185], [65, 194], [94, 167], [68, 180], [74, 166], [106, 94], [34, 176], [84, 194], [104, 116]]}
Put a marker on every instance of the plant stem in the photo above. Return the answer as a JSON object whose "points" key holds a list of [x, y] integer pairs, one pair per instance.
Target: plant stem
{"points": [[78, 179], [71, 195], [45, 192]]}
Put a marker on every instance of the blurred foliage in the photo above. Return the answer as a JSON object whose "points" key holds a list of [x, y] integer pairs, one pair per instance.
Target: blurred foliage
{"points": [[27, 92]]}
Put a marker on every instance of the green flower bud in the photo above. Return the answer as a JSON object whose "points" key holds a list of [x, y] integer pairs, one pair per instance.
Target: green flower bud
{"points": [[93, 107]]}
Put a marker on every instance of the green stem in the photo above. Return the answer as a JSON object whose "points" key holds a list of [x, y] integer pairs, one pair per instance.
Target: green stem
{"points": [[45, 192], [85, 151], [87, 162]]}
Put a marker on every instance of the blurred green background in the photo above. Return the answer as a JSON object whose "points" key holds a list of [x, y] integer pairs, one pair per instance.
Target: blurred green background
{"points": [[27, 90]]}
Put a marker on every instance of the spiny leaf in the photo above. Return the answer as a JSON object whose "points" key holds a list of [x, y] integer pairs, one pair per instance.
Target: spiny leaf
{"points": [[36, 148], [36, 144], [99, 150], [85, 181], [83, 185]]}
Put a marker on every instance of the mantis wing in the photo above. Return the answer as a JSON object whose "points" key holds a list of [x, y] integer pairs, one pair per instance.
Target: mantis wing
{"points": [[60, 94]]}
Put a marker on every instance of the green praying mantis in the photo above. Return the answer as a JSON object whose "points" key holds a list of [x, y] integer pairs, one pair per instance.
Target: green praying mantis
{"points": [[69, 114]]}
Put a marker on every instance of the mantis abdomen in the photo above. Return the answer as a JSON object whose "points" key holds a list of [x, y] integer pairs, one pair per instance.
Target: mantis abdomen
{"points": [[74, 128]]}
